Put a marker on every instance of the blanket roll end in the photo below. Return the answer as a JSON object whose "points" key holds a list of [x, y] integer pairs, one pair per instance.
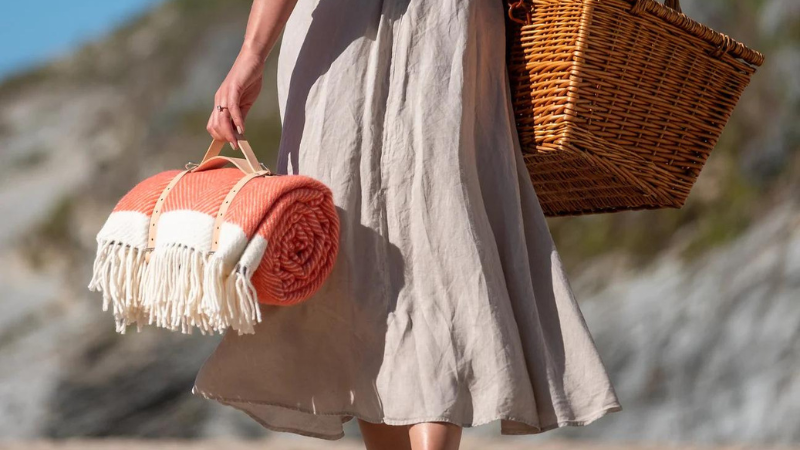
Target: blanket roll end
{"points": [[304, 245]]}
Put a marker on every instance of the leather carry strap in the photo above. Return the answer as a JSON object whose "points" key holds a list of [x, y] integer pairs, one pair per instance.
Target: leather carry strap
{"points": [[151, 240], [223, 208], [151, 230], [248, 164]]}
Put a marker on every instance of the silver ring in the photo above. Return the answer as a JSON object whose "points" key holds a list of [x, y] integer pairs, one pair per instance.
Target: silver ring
{"points": [[220, 108]]}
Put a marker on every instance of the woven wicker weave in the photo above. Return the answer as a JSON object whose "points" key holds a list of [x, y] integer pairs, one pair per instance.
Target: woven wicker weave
{"points": [[619, 103]]}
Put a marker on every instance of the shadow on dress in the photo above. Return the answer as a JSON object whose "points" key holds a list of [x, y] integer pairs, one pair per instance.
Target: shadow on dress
{"points": [[333, 28], [332, 22]]}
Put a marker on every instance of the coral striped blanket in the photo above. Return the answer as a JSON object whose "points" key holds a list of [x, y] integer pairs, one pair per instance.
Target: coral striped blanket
{"points": [[277, 243]]}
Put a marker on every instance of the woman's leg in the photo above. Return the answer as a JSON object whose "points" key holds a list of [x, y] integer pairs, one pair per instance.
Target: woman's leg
{"points": [[435, 436], [379, 436], [419, 436]]}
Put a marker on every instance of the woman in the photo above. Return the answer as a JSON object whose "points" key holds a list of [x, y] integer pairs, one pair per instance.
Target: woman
{"points": [[448, 305]]}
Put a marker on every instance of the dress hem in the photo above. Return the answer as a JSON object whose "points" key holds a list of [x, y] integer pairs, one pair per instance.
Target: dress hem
{"points": [[585, 420]]}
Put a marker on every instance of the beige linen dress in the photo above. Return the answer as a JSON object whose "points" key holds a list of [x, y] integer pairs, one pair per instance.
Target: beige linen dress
{"points": [[448, 300]]}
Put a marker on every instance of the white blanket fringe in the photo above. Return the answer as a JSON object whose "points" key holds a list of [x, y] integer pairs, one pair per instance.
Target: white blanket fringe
{"points": [[179, 288]]}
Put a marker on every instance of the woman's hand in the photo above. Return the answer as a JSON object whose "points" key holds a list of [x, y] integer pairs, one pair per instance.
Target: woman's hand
{"points": [[236, 96], [243, 84]]}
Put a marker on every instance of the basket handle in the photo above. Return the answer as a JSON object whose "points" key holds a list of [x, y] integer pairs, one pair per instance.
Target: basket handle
{"points": [[249, 164], [674, 4], [638, 5]]}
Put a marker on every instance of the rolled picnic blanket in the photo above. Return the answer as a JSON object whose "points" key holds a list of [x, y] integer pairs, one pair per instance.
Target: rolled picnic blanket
{"points": [[202, 247]]}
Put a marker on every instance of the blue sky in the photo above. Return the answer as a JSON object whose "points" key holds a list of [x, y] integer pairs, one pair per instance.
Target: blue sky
{"points": [[35, 31]]}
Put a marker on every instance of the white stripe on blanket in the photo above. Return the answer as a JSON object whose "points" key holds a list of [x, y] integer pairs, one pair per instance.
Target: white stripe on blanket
{"points": [[183, 285]]}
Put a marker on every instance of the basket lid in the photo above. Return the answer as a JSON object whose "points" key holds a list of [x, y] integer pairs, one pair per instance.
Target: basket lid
{"points": [[723, 43]]}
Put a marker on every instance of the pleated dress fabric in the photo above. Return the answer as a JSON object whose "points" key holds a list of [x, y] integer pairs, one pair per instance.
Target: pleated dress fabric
{"points": [[448, 300]]}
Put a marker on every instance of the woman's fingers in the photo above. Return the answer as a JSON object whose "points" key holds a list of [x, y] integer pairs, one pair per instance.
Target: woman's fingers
{"points": [[215, 127], [236, 112], [211, 127], [236, 100], [220, 124], [224, 127]]}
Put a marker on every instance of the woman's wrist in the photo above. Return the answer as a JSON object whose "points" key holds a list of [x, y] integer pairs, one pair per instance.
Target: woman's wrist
{"points": [[254, 51]]}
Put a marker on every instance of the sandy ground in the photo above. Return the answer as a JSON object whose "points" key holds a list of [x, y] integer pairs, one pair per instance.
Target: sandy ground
{"points": [[280, 443]]}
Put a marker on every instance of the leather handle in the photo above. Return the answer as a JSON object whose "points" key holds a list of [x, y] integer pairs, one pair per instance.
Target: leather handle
{"points": [[249, 164]]}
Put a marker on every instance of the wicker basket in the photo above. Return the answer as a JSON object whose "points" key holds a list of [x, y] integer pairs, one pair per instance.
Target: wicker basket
{"points": [[618, 103]]}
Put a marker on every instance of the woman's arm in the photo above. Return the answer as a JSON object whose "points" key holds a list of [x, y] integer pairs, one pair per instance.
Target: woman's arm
{"points": [[241, 87]]}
